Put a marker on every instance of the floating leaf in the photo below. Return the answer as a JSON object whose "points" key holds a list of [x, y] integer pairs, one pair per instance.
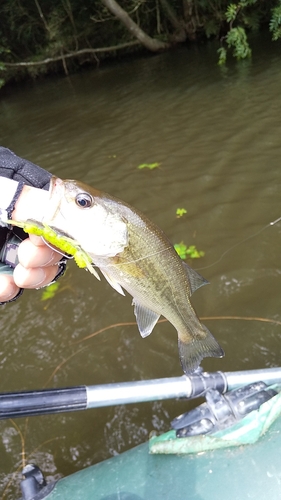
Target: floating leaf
{"points": [[50, 291], [183, 251], [180, 248], [193, 253], [180, 212], [151, 166]]}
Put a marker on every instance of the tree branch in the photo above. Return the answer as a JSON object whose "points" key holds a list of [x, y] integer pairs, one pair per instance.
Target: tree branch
{"points": [[71, 54], [149, 43], [178, 26], [42, 15]]}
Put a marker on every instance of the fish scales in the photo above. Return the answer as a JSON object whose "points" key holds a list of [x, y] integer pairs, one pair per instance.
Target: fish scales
{"points": [[134, 254], [157, 279], [152, 278]]}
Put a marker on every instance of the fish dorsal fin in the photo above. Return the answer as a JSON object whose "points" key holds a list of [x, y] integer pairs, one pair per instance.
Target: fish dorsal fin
{"points": [[195, 279], [146, 319], [112, 282]]}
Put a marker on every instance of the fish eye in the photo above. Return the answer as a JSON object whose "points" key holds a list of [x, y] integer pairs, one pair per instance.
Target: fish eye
{"points": [[84, 200]]}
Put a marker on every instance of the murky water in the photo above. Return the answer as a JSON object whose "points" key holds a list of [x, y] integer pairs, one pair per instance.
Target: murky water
{"points": [[217, 137]]}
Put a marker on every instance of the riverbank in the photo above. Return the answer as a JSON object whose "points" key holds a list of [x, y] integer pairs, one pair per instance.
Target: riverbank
{"points": [[64, 38]]}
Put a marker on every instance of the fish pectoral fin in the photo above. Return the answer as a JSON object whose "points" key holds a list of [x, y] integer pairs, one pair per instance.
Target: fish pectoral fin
{"points": [[195, 279], [112, 282], [193, 349], [146, 319], [92, 270]]}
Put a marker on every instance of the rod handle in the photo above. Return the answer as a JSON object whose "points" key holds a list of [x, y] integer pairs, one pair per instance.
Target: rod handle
{"points": [[45, 401]]}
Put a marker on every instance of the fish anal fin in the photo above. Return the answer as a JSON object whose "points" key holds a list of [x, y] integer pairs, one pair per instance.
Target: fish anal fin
{"points": [[193, 349], [146, 319], [195, 279], [112, 282]]}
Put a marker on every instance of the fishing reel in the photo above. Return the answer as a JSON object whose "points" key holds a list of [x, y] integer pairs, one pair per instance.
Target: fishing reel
{"points": [[221, 411]]}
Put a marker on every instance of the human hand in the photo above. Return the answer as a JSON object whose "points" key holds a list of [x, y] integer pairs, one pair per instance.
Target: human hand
{"points": [[29, 263], [38, 265]]}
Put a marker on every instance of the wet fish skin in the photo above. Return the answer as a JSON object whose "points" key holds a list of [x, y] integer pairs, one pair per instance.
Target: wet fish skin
{"points": [[134, 254]]}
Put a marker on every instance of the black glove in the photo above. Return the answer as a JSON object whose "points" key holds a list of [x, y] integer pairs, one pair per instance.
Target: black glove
{"points": [[18, 169]]}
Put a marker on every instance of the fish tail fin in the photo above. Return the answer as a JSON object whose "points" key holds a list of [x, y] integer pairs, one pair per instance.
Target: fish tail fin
{"points": [[193, 349]]}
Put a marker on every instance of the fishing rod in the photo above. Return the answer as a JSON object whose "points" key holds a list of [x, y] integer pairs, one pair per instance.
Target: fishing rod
{"points": [[58, 400]]}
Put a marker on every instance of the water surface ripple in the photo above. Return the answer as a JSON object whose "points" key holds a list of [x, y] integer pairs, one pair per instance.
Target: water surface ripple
{"points": [[217, 136]]}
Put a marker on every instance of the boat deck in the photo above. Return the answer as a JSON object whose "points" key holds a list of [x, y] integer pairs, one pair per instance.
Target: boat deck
{"points": [[245, 472]]}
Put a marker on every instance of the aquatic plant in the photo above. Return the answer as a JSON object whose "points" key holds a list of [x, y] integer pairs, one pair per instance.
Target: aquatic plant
{"points": [[180, 212], [151, 166], [184, 251], [50, 291]]}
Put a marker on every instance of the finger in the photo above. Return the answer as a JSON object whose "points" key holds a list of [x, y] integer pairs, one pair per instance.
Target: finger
{"points": [[39, 241], [32, 255], [8, 288], [36, 240], [34, 277]]}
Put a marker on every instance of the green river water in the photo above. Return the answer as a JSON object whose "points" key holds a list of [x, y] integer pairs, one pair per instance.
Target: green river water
{"points": [[216, 134]]}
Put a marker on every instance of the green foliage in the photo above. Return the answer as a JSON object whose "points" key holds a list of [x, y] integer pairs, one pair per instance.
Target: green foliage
{"points": [[181, 248], [275, 23], [180, 212], [247, 15], [33, 31], [2, 67], [231, 12], [211, 28], [151, 166], [2, 81], [222, 52], [50, 291], [184, 252], [237, 39]]}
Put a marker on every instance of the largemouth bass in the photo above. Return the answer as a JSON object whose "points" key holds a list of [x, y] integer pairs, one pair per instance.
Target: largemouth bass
{"points": [[133, 254]]}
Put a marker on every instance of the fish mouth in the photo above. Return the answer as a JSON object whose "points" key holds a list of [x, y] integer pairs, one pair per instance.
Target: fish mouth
{"points": [[56, 193], [56, 185], [53, 214]]}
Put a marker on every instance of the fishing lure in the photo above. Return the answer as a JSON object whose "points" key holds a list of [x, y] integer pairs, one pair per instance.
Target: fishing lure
{"points": [[68, 246]]}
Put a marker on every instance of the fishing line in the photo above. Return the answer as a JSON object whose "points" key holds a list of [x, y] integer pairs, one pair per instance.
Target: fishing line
{"points": [[240, 243], [53, 247], [138, 259], [167, 248], [210, 265]]}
